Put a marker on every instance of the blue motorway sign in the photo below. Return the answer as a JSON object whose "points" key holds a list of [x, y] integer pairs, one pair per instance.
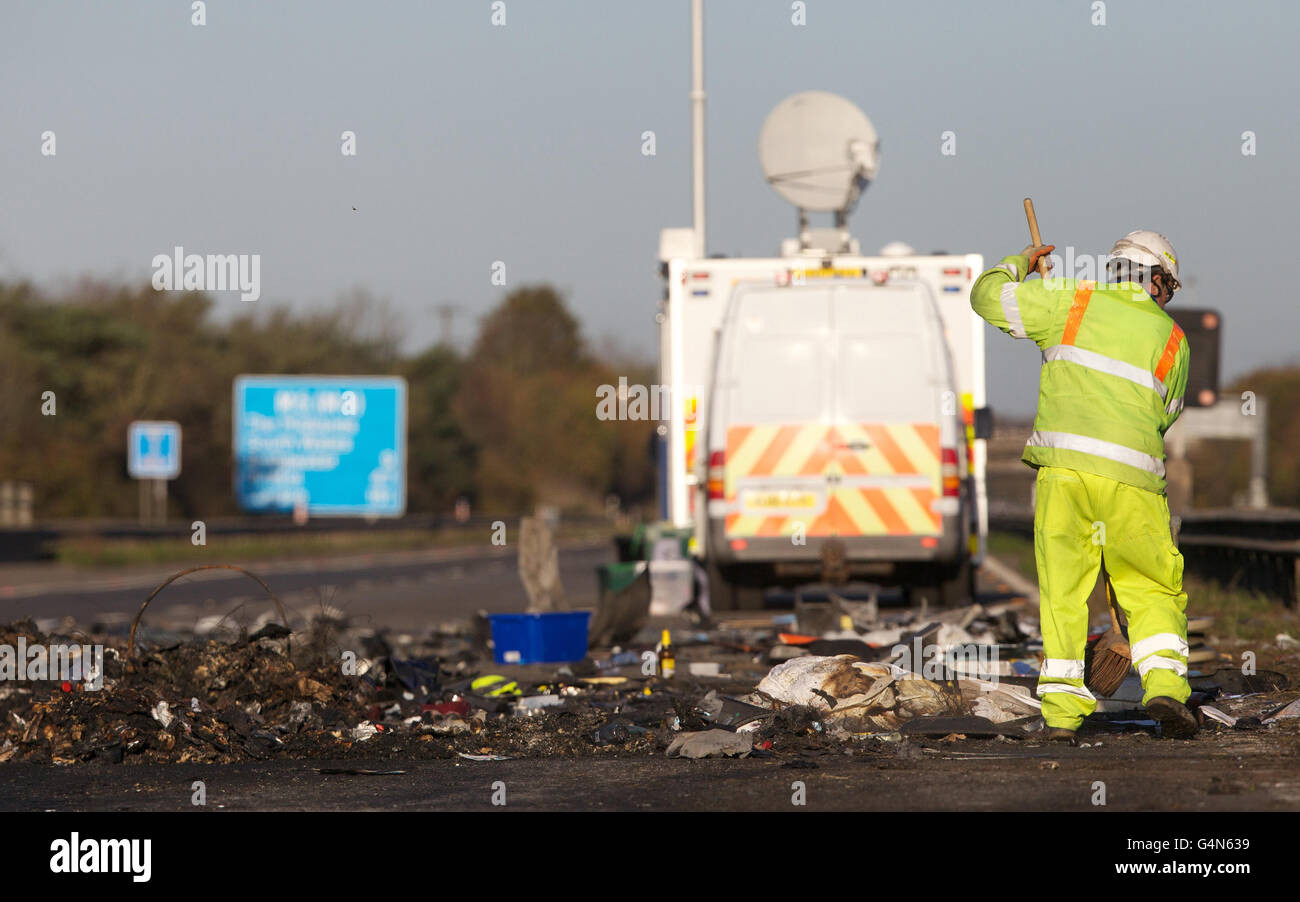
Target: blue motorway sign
{"points": [[153, 449], [334, 444]]}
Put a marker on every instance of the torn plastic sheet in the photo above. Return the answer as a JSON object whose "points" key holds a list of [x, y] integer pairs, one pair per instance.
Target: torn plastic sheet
{"points": [[999, 702]]}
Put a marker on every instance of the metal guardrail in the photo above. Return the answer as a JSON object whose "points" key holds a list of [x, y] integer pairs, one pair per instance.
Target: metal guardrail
{"points": [[1254, 550], [33, 542], [1258, 551], [1271, 568], [1278, 523]]}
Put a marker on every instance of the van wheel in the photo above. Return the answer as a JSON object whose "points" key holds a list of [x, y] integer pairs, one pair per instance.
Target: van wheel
{"points": [[954, 588], [725, 595], [959, 589]]}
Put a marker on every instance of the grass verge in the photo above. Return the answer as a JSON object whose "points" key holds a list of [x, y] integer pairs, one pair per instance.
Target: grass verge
{"points": [[1239, 616]]}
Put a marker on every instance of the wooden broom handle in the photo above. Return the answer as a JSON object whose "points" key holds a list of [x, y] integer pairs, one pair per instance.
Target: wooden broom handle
{"points": [[1034, 235]]}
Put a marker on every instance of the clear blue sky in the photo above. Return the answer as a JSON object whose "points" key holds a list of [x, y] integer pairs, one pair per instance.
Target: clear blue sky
{"points": [[523, 144]]}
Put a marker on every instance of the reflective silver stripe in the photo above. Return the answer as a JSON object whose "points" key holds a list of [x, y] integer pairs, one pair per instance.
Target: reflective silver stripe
{"points": [[1159, 642], [1011, 269], [1062, 668], [1155, 662], [1080, 691], [1068, 441], [1103, 364], [1174, 406], [1011, 310]]}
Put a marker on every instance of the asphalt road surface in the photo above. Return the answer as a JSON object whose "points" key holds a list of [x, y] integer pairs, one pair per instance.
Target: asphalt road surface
{"points": [[401, 590], [1138, 774]]}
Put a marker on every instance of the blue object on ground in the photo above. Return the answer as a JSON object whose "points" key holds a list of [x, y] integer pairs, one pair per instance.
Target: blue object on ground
{"points": [[539, 638]]}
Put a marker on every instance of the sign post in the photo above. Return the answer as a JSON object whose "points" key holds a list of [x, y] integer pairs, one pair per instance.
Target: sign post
{"points": [[153, 456], [320, 445]]}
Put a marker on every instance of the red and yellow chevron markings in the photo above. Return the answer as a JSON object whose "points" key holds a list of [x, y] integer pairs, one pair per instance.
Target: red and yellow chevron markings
{"points": [[886, 479]]}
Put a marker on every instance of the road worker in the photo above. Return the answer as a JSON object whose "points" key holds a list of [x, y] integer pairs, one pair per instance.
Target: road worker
{"points": [[1112, 381]]}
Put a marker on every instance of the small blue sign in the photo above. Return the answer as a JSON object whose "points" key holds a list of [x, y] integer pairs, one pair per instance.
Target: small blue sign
{"points": [[332, 444], [153, 449]]}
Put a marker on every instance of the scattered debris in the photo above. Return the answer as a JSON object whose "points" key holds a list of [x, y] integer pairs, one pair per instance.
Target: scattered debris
{"points": [[875, 695], [710, 744], [729, 712], [1291, 710], [836, 677], [1209, 712], [162, 714], [1233, 682]]}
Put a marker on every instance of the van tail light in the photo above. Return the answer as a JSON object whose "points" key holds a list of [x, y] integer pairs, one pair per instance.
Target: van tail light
{"points": [[949, 473], [717, 475]]}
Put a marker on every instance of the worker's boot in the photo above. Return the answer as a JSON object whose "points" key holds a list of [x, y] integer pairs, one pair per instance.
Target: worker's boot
{"points": [[1176, 719], [1059, 734]]}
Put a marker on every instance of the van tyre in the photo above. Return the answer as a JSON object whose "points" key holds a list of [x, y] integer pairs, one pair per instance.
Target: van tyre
{"points": [[953, 588], [725, 595], [959, 588]]}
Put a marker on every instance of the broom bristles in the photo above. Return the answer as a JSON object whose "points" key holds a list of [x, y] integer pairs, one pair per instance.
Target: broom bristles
{"points": [[1109, 669], [1106, 664]]}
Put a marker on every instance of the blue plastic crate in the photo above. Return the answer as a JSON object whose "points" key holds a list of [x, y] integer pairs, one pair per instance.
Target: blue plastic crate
{"points": [[539, 638]]}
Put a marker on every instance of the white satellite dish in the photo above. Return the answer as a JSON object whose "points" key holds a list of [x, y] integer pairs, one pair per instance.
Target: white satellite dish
{"points": [[819, 151], [898, 249]]}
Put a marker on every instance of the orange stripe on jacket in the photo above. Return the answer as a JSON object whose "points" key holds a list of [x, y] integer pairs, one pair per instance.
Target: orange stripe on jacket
{"points": [[1082, 295], [1171, 353]]}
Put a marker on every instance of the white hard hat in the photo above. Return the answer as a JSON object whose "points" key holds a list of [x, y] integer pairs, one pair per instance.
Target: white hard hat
{"points": [[1147, 248]]}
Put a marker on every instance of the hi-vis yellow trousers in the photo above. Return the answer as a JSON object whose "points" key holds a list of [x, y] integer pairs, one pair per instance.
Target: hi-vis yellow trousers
{"points": [[1081, 520]]}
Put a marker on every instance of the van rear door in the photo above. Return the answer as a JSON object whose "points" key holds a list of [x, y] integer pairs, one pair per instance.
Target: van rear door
{"points": [[891, 371], [775, 407]]}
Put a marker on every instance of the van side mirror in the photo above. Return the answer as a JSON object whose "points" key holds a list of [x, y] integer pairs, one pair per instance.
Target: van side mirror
{"points": [[984, 422]]}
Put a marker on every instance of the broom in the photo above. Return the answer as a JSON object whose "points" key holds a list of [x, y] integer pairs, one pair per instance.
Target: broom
{"points": [[1106, 662]]}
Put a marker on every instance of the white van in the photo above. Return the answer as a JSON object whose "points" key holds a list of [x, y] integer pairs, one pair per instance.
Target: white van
{"points": [[834, 437]]}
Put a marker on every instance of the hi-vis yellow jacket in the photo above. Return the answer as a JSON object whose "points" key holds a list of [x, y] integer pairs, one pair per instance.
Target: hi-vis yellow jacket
{"points": [[1114, 370]]}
